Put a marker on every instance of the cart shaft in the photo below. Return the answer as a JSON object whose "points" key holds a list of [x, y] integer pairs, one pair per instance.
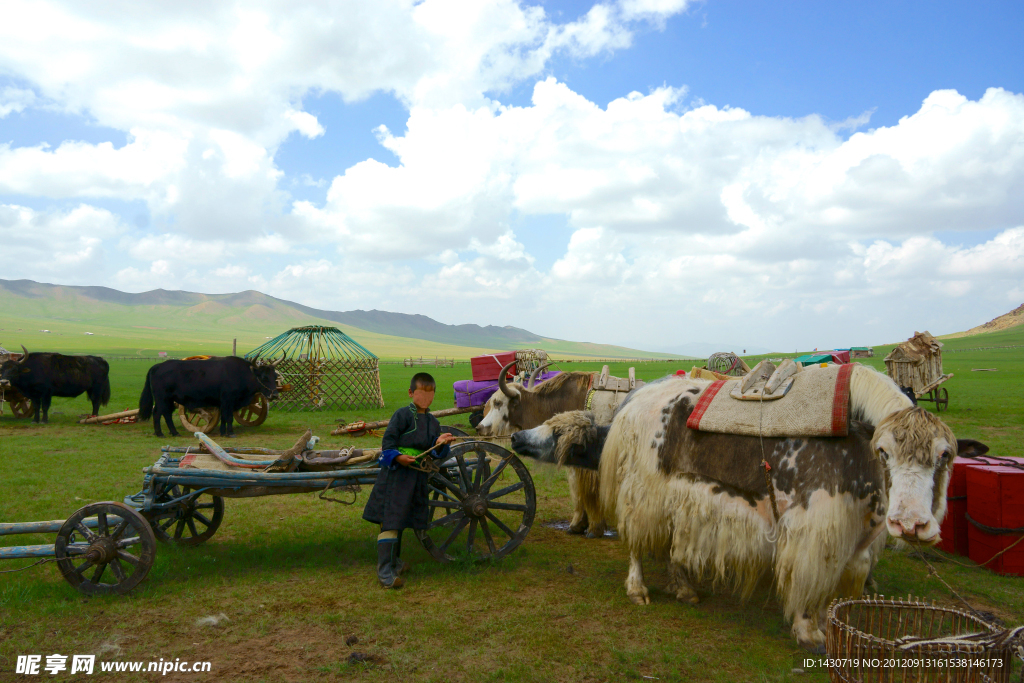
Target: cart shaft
{"points": [[49, 527], [21, 552]]}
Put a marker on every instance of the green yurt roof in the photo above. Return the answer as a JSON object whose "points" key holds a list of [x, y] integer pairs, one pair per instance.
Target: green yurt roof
{"points": [[325, 343]]}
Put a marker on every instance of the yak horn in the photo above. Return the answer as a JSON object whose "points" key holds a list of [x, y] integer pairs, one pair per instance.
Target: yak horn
{"points": [[25, 357], [533, 375], [501, 381], [284, 356]]}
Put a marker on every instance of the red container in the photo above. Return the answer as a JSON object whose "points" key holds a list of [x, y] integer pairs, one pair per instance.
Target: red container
{"points": [[954, 524], [487, 368], [995, 498]]}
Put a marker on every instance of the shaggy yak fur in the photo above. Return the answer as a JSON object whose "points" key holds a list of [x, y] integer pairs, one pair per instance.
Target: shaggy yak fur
{"points": [[531, 407], [699, 500]]}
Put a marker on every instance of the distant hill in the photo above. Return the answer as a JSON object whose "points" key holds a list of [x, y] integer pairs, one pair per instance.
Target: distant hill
{"points": [[172, 320], [1003, 322]]}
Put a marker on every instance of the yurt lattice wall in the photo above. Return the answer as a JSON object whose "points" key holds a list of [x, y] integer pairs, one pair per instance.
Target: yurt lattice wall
{"points": [[322, 368]]}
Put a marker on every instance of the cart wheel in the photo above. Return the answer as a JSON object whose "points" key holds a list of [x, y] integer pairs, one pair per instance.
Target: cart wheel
{"points": [[454, 431], [941, 399], [192, 522], [20, 406], [114, 558], [203, 420], [254, 414], [478, 511]]}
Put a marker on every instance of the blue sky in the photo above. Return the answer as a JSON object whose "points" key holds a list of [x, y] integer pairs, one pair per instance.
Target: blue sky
{"points": [[793, 159]]}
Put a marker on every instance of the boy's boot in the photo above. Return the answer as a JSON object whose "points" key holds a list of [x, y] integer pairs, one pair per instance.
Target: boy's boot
{"points": [[400, 567], [385, 565]]}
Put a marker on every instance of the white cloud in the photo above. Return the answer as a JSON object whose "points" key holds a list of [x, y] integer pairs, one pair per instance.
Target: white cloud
{"points": [[15, 100], [67, 246], [677, 213]]}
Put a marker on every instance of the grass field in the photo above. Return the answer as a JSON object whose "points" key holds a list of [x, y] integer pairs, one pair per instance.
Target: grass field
{"points": [[295, 575]]}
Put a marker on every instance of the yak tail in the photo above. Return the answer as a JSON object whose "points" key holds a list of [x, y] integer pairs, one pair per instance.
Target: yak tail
{"points": [[146, 400], [105, 391]]}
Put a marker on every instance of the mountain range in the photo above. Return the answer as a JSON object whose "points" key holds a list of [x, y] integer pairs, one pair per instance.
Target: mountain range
{"points": [[247, 315]]}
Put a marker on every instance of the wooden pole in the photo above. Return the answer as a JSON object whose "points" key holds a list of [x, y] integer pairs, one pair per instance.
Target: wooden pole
{"points": [[344, 429], [104, 418], [234, 347]]}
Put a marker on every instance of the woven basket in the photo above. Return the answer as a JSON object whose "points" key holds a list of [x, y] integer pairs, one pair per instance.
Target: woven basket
{"points": [[879, 639]]}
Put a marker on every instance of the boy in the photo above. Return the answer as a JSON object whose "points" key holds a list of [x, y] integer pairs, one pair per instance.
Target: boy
{"points": [[399, 497]]}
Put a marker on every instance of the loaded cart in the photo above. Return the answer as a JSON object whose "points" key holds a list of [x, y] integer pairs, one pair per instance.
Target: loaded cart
{"points": [[916, 365], [482, 498]]}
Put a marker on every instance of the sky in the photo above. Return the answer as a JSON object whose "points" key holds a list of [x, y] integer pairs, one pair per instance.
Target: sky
{"points": [[659, 174]]}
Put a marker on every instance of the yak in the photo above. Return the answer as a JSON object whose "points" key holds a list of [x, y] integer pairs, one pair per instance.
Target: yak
{"points": [[700, 500], [227, 383], [517, 407], [40, 376]]}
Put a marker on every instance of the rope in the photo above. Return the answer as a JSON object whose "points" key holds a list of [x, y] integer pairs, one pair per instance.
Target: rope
{"points": [[45, 559], [934, 572], [764, 460]]}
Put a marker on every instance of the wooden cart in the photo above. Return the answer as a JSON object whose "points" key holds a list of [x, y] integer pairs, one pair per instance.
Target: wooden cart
{"points": [[482, 499], [916, 364], [102, 548]]}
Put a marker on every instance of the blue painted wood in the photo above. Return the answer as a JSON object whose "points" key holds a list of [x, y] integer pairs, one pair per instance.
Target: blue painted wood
{"points": [[49, 527], [18, 552]]}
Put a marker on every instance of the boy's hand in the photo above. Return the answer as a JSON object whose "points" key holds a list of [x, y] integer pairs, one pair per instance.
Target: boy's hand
{"points": [[405, 460], [443, 439]]}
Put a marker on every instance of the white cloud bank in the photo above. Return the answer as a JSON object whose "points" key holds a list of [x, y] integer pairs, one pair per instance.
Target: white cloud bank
{"points": [[682, 223]]}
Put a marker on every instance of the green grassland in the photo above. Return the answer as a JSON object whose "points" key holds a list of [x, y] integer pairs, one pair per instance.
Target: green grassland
{"points": [[295, 575]]}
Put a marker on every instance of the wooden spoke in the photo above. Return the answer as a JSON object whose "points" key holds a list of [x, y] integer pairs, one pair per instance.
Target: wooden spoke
{"points": [[471, 535], [85, 531], [501, 525], [487, 535], [507, 506], [469, 477], [455, 533], [191, 527], [120, 529], [105, 548], [203, 420], [21, 407], [505, 491], [84, 566], [254, 414], [129, 558], [127, 542], [447, 519], [494, 476], [449, 504], [115, 566]]}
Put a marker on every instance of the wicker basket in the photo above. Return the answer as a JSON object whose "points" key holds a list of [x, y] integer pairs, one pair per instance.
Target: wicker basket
{"points": [[879, 639]]}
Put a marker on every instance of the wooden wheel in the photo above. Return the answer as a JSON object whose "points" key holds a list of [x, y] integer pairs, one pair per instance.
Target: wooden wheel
{"points": [[254, 414], [22, 407], [478, 511], [191, 522], [203, 420], [941, 399], [114, 558]]}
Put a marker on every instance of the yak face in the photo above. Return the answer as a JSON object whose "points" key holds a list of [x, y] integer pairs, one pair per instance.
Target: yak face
{"points": [[266, 377], [499, 412], [917, 449], [571, 438], [8, 371]]}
